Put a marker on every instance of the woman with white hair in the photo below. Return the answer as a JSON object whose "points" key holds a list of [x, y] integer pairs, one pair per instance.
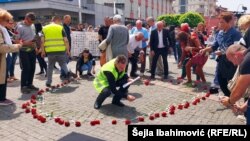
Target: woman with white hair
{"points": [[5, 47], [244, 24]]}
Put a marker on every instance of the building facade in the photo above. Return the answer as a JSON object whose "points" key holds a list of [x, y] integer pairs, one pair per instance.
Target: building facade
{"points": [[132, 10], [204, 7], [92, 11]]}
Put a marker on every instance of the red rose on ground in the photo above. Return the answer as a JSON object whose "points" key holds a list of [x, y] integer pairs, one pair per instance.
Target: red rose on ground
{"points": [[114, 122], [140, 119], [151, 117], [78, 123], [164, 114], [146, 82], [67, 124], [207, 94], [127, 122], [157, 115]]}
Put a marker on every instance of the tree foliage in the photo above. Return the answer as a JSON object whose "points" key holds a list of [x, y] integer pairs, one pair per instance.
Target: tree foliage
{"points": [[192, 18]]}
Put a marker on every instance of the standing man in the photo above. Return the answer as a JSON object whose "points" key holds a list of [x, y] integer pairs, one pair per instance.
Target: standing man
{"points": [[66, 23], [151, 23], [27, 53], [144, 31], [118, 37], [159, 44], [55, 44], [112, 75], [103, 32]]}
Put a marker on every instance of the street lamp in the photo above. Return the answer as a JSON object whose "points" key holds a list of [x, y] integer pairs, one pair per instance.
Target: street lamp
{"points": [[80, 10]]}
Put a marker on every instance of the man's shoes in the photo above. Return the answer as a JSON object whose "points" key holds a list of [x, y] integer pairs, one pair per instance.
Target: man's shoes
{"points": [[165, 77], [97, 105], [32, 87], [41, 72], [141, 74], [71, 74], [90, 75], [6, 102], [48, 85], [25, 90], [120, 104], [134, 75], [152, 77]]}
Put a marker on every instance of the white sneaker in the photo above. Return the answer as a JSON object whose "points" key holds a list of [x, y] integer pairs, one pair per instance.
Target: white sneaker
{"points": [[141, 74]]}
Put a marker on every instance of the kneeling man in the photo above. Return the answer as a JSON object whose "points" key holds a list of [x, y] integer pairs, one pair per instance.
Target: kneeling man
{"points": [[112, 75]]}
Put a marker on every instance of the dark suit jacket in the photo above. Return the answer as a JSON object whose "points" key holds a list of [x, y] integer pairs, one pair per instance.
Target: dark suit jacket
{"points": [[154, 40]]}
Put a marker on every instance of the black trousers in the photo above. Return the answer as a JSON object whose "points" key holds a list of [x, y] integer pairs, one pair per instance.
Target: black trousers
{"points": [[42, 63], [164, 53], [3, 89], [28, 66], [106, 92], [133, 60]]}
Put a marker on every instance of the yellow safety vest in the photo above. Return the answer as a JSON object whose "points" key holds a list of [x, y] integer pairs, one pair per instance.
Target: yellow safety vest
{"points": [[53, 38], [101, 81]]}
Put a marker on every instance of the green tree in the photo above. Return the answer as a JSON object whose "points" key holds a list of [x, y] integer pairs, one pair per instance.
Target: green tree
{"points": [[170, 19], [192, 18]]}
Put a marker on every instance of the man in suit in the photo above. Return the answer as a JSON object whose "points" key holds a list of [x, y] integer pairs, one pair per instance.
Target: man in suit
{"points": [[159, 44]]}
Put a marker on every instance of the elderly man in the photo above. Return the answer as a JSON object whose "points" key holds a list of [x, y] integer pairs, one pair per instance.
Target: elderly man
{"points": [[159, 66], [135, 41], [144, 31], [118, 37], [112, 75], [159, 44], [235, 54]]}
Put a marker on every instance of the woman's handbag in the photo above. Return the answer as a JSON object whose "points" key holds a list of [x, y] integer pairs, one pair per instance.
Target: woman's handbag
{"points": [[199, 59], [232, 83]]}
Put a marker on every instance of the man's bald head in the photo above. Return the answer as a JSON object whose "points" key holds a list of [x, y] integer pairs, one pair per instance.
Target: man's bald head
{"points": [[160, 25]]}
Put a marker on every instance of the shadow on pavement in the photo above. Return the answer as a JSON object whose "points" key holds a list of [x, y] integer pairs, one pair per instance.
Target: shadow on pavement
{"points": [[7, 112], [65, 89], [78, 137], [14, 84], [126, 112]]}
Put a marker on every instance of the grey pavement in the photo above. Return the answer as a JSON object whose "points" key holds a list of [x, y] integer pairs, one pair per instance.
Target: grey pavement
{"points": [[75, 102]]}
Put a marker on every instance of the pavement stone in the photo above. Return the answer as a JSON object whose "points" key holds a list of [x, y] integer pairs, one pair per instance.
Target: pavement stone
{"points": [[76, 100]]}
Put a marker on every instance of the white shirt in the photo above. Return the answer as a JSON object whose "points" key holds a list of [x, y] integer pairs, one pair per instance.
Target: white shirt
{"points": [[133, 44], [160, 37]]}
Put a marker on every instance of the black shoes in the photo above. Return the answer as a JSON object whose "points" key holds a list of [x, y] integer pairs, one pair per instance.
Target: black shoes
{"points": [[32, 87], [25, 90], [120, 104], [48, 85], [40, 73], [97, 105]]}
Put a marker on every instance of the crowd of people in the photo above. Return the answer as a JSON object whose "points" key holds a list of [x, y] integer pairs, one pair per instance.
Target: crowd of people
{"points": [[122, 45]]}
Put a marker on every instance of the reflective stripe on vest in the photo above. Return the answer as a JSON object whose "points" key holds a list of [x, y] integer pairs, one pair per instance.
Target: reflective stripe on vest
{"points": [[101, 81], [53, 38]]}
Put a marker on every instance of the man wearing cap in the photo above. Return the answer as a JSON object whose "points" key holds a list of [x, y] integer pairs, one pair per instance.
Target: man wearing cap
{"points": [[118, 37]]}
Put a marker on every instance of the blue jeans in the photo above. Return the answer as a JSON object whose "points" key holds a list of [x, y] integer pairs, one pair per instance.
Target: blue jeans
{"points": [[87, 66], [11, 64], [63, 73], [8, 63]]}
